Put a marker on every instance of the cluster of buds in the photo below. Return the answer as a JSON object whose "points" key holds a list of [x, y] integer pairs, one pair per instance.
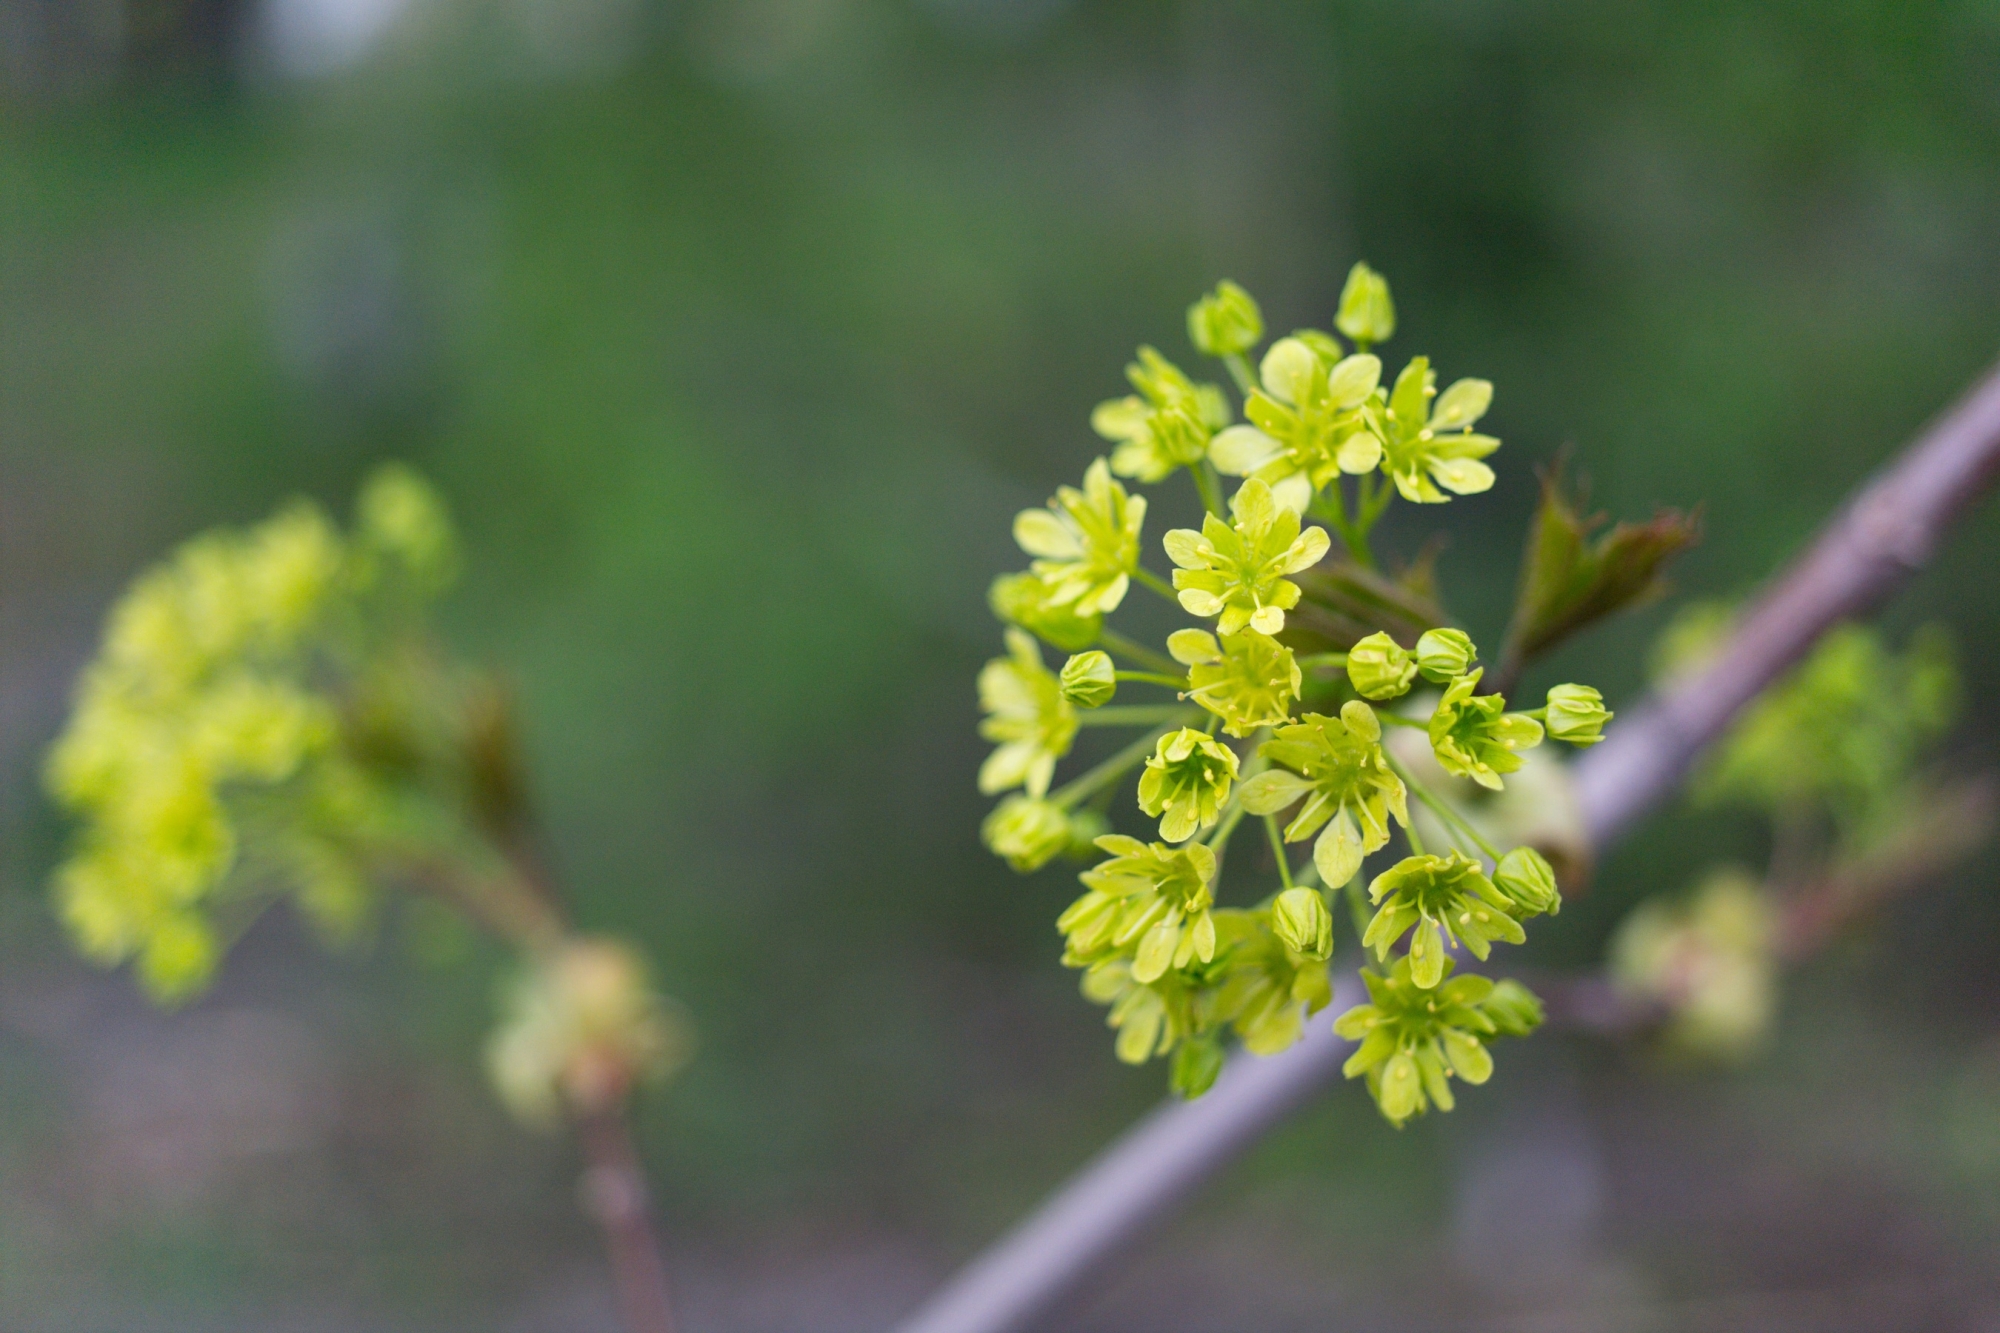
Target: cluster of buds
{"points": [[1257, 726]]}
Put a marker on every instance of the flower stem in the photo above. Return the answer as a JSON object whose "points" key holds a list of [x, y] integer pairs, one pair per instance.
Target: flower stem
{"points": [[1156, 583], [1138, 652], [615, 1194], [1179, 682], [1138, 715], [1107, 772], [1230, 819], [1454, 821], [1278, 850], [1209, 483], [1398, 720], [1331, 505], [1323, 660], [1238, 366]]}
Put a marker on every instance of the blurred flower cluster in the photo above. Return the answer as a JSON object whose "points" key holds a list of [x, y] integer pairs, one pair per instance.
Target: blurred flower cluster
{"points": [[1835, 758], [268, 717]]}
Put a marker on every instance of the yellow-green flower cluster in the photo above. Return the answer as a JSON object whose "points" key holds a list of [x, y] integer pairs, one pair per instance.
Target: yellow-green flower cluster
{"points": [[1028, 714], [1257, 722], [212, 691], [1334, 771], [1236, 571], [1167, 425], [1087, 541], [1415, 1039]]}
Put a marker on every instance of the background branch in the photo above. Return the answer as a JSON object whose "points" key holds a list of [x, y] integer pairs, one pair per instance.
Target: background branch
{"points": [[1885, 534]]}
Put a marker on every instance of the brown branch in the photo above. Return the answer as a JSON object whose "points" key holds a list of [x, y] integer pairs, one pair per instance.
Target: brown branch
{"points": [[615, 1194], [1888, 532], [1949, 823], [1883, 536], [528, 908]]}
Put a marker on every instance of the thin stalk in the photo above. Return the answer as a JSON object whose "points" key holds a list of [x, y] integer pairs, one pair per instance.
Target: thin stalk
{"points": [[1442, 808], [1331, 505], [1179, 682], [1231, 817], [526, 906], [1238, 366], [1398, 720], [1153, 581], [1208, 482], [1380, 494], [1101, 775], [615, 1194], [1311, 660], [1117, 643], [1137, 715], [1278, 850]]}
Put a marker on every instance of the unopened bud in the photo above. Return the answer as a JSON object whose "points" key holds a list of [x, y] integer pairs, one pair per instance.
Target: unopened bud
{"points": [[1444, 653], [1299, 918], [1577, 714], [1367, 314], [1089, 680], [1526, 877], [1225, 322], [1380, 668]]}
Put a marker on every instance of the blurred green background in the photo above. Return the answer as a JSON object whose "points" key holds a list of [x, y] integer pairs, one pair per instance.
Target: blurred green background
{"points": [[736, 332]]}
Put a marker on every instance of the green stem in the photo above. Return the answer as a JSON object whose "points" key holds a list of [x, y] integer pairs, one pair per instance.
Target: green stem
{"points": [[1156, 583], [1398, 720], [1091, 780], [1416, 840], [1323, 660], [1377, 506], [1334, 511], [1138, 715], [1153, 678], [1238, 366], [1208, 482], [1454, 822], [1278, 850], [1357, 906], [1138, 652], [1231, 817]]}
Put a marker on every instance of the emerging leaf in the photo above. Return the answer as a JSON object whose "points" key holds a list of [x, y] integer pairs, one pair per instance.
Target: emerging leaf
{"points": [[1569, 581]]}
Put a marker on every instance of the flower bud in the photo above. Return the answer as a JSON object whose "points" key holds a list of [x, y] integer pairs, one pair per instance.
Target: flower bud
{"points": [[1299, 918], [1513, 1008], [1526, 877], [1577, 714], [1225, 322], [1380, 668], [1444, 653], [1026, 832], [1089, 680], [1367, 314]]}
